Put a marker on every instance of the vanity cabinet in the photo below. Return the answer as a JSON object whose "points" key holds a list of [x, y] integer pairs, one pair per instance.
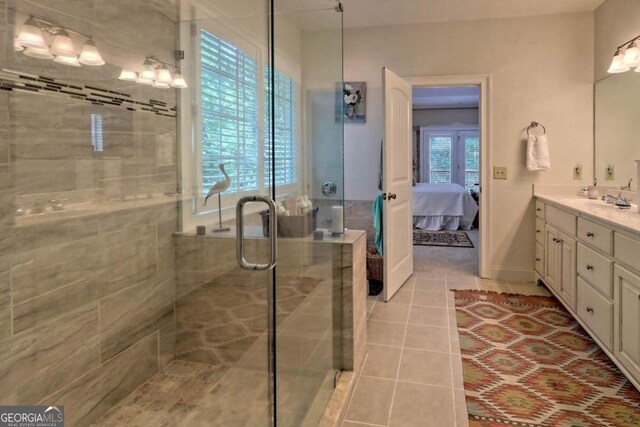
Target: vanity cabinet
{"points": [[627, 329], [593, 267]]}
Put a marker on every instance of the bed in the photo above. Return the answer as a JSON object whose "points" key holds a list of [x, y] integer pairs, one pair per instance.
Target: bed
{"points": [[443, 207]]}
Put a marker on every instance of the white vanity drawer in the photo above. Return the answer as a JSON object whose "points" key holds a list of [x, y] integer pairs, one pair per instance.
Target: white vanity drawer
{"points": [[595, 235], [561, 219], [540, 209], [540, 259], [596, 269], [540, 231], [596, 312], [627, 250]]}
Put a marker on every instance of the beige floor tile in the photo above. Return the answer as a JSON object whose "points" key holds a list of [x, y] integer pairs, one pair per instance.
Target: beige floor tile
{"points": [[462, 285], [403, 296], [432, 285], [429, 299], [418, 405], [494, 285], [426, 367], [431, 316], [457, 372], [430, 338], [460, 404], [390, 312], [382, 361], [371, 401], [385, 333]]}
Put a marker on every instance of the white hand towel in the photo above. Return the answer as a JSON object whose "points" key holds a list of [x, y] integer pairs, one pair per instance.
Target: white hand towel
{"points": [[538, 153]]}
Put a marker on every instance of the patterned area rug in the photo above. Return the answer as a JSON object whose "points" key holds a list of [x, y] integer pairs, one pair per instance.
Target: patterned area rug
{"points": [[527, 362], [458, 238]]}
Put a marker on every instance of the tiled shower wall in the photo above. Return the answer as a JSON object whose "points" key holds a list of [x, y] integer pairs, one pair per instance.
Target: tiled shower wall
{"points": [[86, 293]]}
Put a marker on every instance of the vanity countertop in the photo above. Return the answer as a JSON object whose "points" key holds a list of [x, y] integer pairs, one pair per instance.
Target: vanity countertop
{"points": [[627, 219]]}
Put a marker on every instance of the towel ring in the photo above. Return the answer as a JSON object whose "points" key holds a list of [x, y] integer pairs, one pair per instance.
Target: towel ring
{"points": [[534, 125]]}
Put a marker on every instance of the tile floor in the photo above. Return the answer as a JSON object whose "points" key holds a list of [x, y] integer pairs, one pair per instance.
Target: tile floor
{"points": [[413, 372]]}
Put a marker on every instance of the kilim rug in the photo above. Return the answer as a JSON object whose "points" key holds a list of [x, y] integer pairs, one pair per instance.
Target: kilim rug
{"points": [[527, 362], [457, 238]]}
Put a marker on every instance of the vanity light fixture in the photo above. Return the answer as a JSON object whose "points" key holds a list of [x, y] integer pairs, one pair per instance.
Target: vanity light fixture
{"points": [[627, 56], [31, 35], [157, 74], [128, 75], [90, 54], [31, 41]]}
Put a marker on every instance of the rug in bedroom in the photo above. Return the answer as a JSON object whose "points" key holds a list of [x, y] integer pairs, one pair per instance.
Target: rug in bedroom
{"points": [[527, 362], [457, 239]]}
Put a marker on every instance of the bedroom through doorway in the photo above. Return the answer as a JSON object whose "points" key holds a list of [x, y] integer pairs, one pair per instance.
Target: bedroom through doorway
{"points": [[447, 173]]}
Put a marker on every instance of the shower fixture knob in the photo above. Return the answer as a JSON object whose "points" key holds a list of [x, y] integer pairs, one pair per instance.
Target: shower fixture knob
{"points": [[329, 188]]}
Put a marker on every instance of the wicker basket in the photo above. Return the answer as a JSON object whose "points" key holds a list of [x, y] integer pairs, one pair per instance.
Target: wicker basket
{"points": [[375, 271]]}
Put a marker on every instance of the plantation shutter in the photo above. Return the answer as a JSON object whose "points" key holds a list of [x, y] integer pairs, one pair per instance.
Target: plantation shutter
{"points": [[229, 79]]}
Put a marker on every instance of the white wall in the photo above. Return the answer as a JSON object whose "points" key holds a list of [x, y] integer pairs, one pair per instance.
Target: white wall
{"points": [[616, 21], [445, 116], [541, 69]]}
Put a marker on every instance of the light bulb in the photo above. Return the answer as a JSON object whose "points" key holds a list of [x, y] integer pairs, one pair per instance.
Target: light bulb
{"points": [[631, 58], [35, 52], [31, 36], [149, 72], [144, 81], [164, 76], [617, 64], [161, 85], [179, 81], [128, 75], [90, 54], [17, 47], [67, 60], [63, 45]]}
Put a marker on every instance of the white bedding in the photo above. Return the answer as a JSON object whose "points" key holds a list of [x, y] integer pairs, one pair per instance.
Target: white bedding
{"points": [[443, 207]]}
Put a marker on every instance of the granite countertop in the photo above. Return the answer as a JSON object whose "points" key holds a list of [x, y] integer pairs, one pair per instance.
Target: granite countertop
{"points": [[627, 219]]}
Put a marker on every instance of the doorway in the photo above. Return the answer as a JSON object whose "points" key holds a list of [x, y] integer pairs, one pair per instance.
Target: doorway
{"points": [[450, 126]]}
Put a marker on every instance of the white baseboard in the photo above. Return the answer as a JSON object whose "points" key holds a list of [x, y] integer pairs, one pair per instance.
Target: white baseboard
{"points": [[513, 274]]}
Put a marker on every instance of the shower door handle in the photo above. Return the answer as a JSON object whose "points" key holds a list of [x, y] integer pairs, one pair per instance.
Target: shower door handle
{"points": [[273, 232]]}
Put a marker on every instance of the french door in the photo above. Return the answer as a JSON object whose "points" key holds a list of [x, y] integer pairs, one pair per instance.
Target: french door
{"points": [[450, 156]]}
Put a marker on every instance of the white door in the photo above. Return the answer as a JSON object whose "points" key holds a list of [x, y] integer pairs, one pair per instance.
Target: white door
{"points": [[397, 183]]}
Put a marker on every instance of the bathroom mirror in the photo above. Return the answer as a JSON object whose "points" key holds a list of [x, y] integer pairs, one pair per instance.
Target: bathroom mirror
{"points": [[617, 130]]}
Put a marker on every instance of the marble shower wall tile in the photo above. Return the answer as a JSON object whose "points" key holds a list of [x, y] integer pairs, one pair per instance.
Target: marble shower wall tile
{"points": [[358, 216], [86, 295], [93, 394], [36, 363]]}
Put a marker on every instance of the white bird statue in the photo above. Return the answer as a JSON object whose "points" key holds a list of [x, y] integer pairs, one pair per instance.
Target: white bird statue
{"points": [[218, 188]]}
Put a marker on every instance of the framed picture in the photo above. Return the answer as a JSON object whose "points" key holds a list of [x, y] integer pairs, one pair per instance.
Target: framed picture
{"points": [[354, 97]]}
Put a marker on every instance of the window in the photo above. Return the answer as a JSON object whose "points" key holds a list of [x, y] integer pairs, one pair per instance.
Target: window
{"points": [[229, 115], [450, 156], [96, 132], [234, 95], [285, 128]]}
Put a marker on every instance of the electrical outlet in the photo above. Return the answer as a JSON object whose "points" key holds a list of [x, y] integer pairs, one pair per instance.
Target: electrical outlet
{"points": [[499, 172], [609, 174], [577, 173]]}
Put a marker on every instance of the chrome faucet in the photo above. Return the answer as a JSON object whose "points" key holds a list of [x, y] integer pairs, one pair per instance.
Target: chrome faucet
{"points": [[609, 199], [627, 187]]}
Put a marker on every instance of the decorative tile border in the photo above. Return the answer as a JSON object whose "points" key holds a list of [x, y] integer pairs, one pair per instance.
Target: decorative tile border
{"points": [[14, 80]]}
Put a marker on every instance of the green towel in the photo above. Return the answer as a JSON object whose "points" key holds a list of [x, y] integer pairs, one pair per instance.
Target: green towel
{"points": [[377, 221]]}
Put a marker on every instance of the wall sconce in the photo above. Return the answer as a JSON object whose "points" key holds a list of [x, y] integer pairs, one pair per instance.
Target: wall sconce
{"points": [[157, 74], [627, 56], [32, 43]]}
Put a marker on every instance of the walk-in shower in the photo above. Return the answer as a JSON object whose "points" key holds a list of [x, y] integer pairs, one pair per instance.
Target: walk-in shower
{"points": [[121, 295]]}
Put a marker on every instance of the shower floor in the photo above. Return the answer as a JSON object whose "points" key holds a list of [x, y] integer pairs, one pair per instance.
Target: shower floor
{"points": [[235, 394]]}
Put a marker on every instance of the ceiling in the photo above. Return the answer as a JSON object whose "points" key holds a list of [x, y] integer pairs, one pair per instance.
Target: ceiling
{"points": [[446, 97], [368, 13]]}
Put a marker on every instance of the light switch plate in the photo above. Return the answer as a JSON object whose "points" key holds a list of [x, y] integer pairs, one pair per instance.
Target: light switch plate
{"points": [[609, 174], [577, 174], [499, 172]]}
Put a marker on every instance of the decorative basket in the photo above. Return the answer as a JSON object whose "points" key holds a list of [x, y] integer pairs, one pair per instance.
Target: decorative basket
{"points": [[375, 271]]}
